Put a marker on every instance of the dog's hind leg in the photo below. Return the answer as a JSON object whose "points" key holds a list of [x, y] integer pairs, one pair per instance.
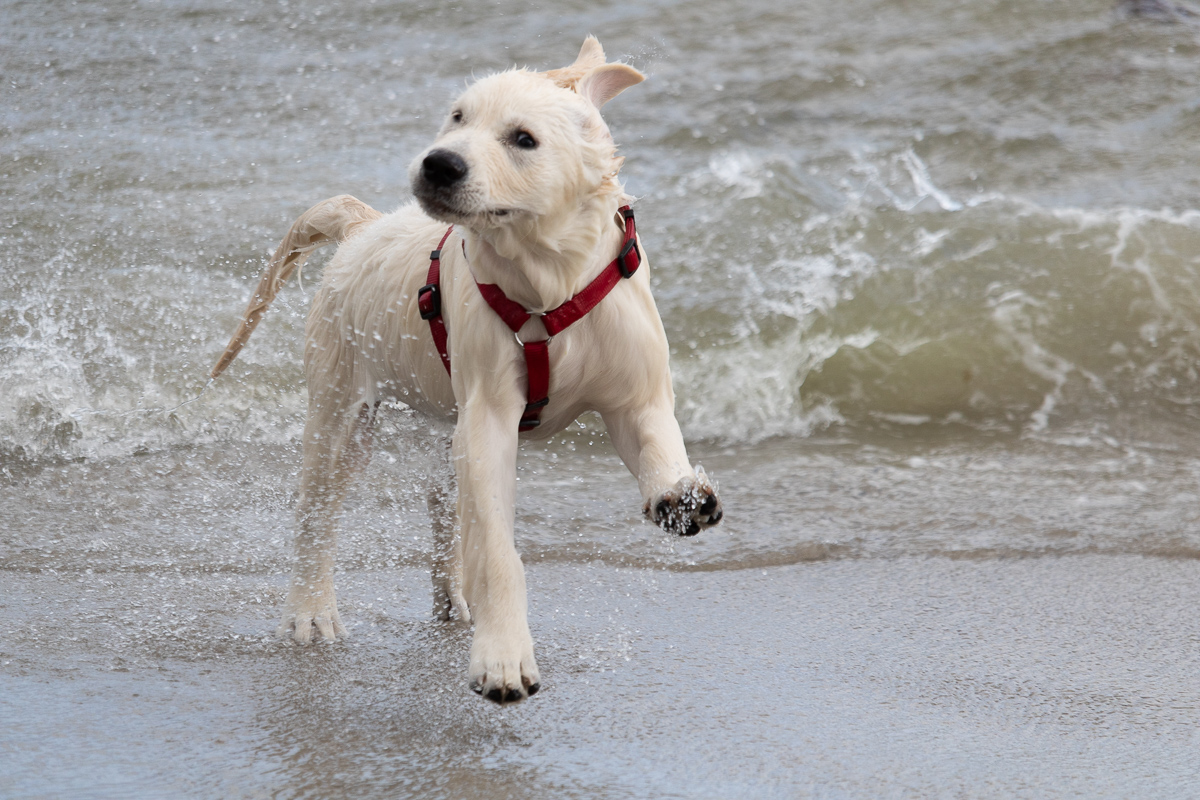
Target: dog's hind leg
{"points": [[448, 601], [337, 445]]}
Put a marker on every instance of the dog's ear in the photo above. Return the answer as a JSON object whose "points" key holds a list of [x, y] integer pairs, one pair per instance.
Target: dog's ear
{"points": [[606, 82], [591, 55]]}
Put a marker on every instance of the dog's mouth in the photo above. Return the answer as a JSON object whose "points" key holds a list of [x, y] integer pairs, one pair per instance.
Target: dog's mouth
{"points": [[501, 214], [440, 209]]}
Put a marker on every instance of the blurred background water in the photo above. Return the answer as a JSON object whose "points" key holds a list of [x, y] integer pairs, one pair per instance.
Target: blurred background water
{"points": [[930, 271]]}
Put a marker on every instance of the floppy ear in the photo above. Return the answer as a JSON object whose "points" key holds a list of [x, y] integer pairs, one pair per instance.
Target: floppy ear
{"points": [[606, 82], [591, 55]]}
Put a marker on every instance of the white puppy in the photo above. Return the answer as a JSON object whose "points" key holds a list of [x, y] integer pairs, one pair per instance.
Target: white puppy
{"points": [[525, 171]]}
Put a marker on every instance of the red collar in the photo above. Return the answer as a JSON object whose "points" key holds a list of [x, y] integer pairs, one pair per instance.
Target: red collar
{"points": [[514, 315]]}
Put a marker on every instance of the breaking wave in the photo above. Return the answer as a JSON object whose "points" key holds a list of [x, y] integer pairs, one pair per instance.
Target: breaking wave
{"points": [[794, 304], [905, 308]]}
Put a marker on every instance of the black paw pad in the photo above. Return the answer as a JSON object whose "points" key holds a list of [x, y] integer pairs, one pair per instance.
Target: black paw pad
{"points": [[503, 696]]}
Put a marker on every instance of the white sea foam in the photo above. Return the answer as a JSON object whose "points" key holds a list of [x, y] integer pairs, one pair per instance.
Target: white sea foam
{"points": [[739, 171]]}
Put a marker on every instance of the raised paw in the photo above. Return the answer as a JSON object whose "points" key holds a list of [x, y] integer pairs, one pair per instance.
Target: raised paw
{"points": [[688, 507], [503, 672], [308, 608]]}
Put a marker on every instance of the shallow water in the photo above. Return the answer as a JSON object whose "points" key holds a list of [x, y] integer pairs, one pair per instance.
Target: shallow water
{"points": [[930, 275]]}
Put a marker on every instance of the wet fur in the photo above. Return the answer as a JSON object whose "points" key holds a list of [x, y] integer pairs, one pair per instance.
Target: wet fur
{"points": [[541, 223]]}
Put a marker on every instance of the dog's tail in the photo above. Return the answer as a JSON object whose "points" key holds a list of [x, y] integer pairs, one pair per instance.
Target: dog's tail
{"points": [[332, 220]]}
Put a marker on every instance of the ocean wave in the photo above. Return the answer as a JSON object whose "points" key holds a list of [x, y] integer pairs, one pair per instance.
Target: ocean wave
{"points": [[794, 303], [908, 306]]}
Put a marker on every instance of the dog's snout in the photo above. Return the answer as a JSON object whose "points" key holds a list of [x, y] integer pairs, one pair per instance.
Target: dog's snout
{"points": [[443, 168]]}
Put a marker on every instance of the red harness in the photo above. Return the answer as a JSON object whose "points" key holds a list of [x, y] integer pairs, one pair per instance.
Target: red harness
{"points": [[537, 354]]}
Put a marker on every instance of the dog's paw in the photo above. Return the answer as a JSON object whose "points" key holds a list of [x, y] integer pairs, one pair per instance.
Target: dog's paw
{"points": [[503, 669], [686, 508], [448, 602], [309, 608]]}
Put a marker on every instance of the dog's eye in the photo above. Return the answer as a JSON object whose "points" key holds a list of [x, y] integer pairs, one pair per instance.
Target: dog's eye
{"points": [[523, 140], [457, 116]]}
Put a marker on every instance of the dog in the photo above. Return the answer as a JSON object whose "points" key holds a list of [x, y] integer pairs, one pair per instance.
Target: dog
{"points": [[519, 199]]}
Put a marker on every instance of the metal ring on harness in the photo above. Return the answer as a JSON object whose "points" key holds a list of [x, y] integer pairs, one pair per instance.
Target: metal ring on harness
{"points": [[517, 336]]}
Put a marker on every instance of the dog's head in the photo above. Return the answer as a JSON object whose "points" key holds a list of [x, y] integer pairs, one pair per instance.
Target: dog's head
{"points": [[522, 151]]}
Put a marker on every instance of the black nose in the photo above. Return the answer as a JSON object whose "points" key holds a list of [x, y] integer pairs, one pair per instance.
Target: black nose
{"points": [[443, 168]]}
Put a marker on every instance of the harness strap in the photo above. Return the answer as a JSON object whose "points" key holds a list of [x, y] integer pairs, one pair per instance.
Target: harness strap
{"points": [[537, 365], [623, 266], [429, 301], [514, 315]]}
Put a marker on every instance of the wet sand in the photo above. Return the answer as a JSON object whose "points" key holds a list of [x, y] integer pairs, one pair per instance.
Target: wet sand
{"points": [[916, 677]]}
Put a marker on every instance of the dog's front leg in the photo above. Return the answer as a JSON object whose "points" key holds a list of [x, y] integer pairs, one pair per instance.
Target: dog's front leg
{"points": [[676, 497], [502, 666]]}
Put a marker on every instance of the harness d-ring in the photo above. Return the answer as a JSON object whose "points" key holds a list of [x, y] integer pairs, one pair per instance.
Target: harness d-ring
{"points": [[517, 336]]}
